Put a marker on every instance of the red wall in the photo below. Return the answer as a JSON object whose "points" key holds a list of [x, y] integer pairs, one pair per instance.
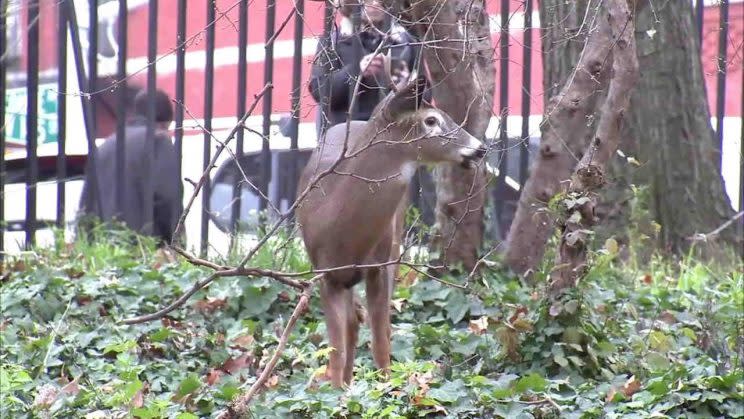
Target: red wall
{"points": [[224, 92]]}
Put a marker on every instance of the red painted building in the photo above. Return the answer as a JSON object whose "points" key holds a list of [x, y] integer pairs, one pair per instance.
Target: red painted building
{"points": [[226, 53]]}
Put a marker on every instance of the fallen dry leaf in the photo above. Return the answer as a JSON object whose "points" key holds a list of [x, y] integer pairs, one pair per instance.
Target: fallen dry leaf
{"points": [[398, 304], [409, 279], [273, 381], [46, 396], [479, 326], [610, 395], [647, 279], [421, 381], [234, 364], [668, 317], [74, 273], [521, 310], [210, 305], [138, 400], [72, 388], [244, 341], [213, 376], [631, 386], [83, 300]]}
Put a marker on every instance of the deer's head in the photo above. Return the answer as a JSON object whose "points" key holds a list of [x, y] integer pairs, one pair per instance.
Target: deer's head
{"points": [[425, 130]]}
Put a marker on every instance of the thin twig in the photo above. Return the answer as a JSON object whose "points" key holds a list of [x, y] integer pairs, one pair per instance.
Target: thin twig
{"points": [[205, 175], [712, 235], [239, 407]]}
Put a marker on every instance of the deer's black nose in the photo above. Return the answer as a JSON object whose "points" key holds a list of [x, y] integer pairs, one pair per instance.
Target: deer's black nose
{"points": [[480, 152]]}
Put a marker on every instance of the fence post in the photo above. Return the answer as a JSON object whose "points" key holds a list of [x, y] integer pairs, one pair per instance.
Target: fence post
{"points": [[296, 95], [94, 197], [208, 107], [503, 164], [240, 135], [121, 100], [267, 104], [61, 113], [524, 150], [180, 82], [723, 9], [152, 53], [32, 100], [3, 50]]}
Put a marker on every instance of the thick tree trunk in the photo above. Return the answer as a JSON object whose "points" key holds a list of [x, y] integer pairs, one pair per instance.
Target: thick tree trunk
{"points": [[616, 24], [458, 57], [670, 131], [568, 122]]}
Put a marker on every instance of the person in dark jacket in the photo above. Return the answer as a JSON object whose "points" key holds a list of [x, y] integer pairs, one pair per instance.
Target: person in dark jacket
{"points": [[166, 185], [338, 56]]}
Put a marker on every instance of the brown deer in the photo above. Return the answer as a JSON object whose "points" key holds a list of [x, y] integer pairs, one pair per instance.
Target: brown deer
{"points": [[351, 216]]}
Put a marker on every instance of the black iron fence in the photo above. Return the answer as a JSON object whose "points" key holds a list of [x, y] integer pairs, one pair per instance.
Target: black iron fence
{"points": [[32, 169]]}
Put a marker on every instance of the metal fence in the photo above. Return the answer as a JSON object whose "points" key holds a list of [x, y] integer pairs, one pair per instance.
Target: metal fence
{"points": [[32, 169]]}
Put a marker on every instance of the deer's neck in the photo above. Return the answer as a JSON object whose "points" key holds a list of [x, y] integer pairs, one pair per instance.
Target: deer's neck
{"points": [[383, 159]]}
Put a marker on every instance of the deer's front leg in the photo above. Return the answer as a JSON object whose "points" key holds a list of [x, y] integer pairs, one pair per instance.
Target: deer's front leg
{"points": [[337, 305], [378, 310]]}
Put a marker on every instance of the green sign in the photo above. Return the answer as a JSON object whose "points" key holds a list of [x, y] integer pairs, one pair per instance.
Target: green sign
{"points": [[15, 114]]}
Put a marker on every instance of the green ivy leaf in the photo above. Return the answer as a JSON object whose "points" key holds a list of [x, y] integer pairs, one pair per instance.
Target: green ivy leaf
{"points": [[533, 382], [189, 385]]}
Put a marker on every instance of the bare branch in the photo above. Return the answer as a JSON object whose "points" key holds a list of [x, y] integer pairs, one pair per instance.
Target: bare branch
{"points": [[239, 406]]}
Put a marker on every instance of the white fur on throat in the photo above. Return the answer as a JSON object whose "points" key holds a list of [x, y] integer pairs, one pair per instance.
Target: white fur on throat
{"points": [[407, 170]]}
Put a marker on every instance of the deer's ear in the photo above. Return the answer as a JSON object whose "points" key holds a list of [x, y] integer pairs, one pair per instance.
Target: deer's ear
{"points": [[409, 98]]}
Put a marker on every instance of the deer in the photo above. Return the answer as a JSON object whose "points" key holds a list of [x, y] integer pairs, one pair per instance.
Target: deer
{"points": [[352, 215]]}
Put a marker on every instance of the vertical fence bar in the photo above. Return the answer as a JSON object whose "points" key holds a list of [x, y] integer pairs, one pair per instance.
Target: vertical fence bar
{"points": [[325, 95], [699, 20], [242, 88], [296, 90], [722, 71], [267, 104], [93, 62], [3, 50], [741, 155], [208, 105], [121, 108], [526, 93], [499, 191], [180, 82], [356, 72], [94, 198], [32, 98], [152, 53], [61, 112]]}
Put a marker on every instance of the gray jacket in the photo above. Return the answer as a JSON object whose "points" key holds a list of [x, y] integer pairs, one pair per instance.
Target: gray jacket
{"points": [[166, 185]]}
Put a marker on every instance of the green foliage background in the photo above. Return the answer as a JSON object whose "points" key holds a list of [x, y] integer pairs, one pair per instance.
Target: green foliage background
{"points": [[661, 338]]}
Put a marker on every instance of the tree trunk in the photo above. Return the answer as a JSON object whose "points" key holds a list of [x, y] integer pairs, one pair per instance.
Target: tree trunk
{"points": [[615, 23], [568, 122], [466, 68], [670, 132]]}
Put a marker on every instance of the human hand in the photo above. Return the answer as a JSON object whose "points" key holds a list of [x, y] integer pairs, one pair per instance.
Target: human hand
{"points": [[399, 72], [372, 65]]}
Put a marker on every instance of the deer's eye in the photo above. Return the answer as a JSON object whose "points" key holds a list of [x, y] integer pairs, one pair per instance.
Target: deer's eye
{"points": [[431, 121]]}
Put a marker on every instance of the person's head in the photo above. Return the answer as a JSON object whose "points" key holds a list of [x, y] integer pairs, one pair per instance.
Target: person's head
{"points": [[163, 107], [373, 12]]}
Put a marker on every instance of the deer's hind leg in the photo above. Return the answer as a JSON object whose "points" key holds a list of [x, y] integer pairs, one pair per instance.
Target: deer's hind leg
{"points": [[338, 305]]}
